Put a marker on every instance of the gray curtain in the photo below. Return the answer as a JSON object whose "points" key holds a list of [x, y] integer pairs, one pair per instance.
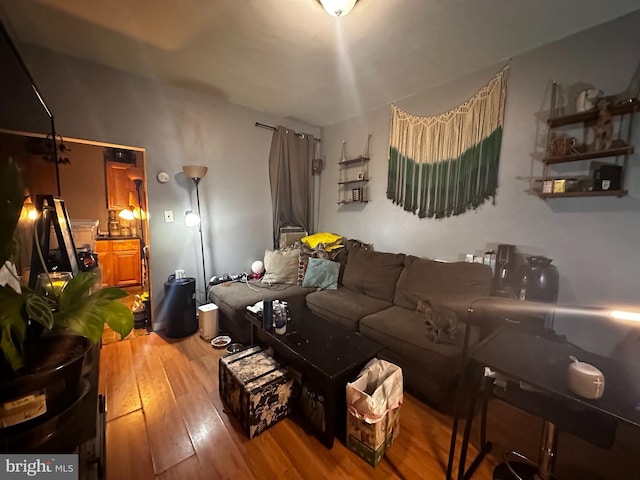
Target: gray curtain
{"points": [[290, 177]]}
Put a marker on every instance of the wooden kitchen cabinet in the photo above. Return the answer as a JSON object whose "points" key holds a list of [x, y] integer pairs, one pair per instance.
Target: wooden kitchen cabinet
{"points": [[119, 187], [120, 262]]}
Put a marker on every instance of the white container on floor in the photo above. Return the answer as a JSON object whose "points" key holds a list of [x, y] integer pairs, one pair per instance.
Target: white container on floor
{"points": [[208, 321]]}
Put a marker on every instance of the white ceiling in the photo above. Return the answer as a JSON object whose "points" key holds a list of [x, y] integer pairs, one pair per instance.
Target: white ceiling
{"points": [[289, 58]]}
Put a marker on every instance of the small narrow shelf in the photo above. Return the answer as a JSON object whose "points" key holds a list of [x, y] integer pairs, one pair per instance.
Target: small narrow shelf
{"points": [[354, 160], [611, 152], [592, 115], [350, 182], [596, 193], [343, 202]]}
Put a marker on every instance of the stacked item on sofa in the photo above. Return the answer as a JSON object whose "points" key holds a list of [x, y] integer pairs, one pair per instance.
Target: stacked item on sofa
{"points": [[284, 279]]}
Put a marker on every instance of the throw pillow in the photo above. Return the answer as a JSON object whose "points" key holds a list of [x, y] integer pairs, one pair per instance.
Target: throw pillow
{"points": [[281, 266], [322, 273], [307, 252]]}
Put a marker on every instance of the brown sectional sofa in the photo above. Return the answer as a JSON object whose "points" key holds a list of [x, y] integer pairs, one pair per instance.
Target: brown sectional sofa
{"points": [[378, 296]]}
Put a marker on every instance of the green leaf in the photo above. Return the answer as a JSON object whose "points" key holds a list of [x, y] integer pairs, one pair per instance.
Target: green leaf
{"points": [[109, 293], [38, 309], [9, 345], [87, 314], [77, 288], [13, 327], [120, 318]]}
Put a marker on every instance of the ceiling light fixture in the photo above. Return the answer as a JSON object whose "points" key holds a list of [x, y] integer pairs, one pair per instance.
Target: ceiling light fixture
{"points": [[338, 8]]}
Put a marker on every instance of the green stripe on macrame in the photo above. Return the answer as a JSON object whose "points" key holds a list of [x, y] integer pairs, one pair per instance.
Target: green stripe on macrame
{"points": [[446, 188]]}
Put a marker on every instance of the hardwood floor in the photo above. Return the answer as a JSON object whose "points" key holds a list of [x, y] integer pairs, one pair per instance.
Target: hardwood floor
{"points": [[165, 420]]}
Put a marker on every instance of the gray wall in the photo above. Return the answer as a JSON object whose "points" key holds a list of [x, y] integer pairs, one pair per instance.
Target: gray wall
{"points": [[176, 127], [593, 241]]}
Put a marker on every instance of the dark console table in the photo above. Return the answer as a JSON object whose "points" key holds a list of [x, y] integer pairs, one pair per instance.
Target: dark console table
{"points": [[541, 362], [327, 356]]}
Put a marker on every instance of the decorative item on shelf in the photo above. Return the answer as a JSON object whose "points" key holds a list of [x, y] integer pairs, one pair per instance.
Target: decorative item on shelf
{"points": [[563, 146], [547, 186], [360, 176], [559, 185], [603, 131], [356, 194], [587, 99], [196, 173], [606, 176]]}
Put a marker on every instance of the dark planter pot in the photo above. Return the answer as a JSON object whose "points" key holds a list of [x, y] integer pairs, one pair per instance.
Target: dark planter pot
{"points": [[48, 385]]}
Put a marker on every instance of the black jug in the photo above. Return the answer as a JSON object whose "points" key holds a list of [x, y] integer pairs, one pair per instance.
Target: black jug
{"points": [[538, 280]]}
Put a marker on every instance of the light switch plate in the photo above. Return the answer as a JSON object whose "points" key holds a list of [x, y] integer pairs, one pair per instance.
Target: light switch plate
{"points": [[168, 216]]}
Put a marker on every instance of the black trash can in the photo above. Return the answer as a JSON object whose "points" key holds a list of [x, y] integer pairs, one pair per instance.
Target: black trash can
{"points": [[180, 306]]}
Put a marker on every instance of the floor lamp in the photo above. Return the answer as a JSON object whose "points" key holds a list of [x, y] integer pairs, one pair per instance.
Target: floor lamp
{"points": [[196, 172], [136, 175]]}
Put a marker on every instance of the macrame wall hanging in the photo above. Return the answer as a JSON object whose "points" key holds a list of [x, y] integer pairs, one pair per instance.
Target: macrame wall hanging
{"points": [[445, 164]]}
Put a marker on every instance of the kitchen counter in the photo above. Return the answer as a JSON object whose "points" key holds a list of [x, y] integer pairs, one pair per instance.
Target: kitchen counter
{"points": [[118, 237]]}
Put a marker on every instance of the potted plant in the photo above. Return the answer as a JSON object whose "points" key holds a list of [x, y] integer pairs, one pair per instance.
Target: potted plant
{"points": [[40, 334]]}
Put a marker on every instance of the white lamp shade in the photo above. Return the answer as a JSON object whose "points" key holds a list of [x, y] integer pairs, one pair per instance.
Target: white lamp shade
{"points": [[195, 171], [338, 8], [191, 219]]}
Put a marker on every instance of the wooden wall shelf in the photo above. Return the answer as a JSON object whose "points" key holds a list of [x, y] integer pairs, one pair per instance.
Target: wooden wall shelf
{"points": [[597, 193]]}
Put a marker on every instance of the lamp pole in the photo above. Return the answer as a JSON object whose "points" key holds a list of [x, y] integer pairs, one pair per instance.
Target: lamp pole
{"points": [[196, 172], [196, 180]]}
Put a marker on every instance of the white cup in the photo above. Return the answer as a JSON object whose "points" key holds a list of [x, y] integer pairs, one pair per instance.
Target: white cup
{"points": [[179, 273]]}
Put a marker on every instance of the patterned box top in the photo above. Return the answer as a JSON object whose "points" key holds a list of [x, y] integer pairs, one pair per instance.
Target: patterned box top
{"points": [[249, 364]]}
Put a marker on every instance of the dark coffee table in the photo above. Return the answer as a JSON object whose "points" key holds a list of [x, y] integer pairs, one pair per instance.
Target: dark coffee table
{"points": [[327, 356]]}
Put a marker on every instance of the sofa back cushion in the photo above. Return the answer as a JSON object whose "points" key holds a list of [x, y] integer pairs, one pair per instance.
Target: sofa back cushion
{"points": [[424, 279], [373, 273]]}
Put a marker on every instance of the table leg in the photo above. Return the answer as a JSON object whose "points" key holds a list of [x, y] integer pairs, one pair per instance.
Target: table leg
{"points": [[330, 399], [548, 448]]}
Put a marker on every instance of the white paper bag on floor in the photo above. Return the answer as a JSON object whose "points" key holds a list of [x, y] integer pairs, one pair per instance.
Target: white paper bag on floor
{"points": [[377, 390]]}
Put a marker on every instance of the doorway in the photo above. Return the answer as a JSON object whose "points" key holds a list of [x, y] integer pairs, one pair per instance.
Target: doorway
{"points": [[103, 188]]}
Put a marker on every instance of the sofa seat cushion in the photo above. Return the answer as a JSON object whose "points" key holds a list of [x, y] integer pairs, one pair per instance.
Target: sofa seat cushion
{"points": [[404, 332], [373, 273], [239, 295], [424, 279], [344, 306]]}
